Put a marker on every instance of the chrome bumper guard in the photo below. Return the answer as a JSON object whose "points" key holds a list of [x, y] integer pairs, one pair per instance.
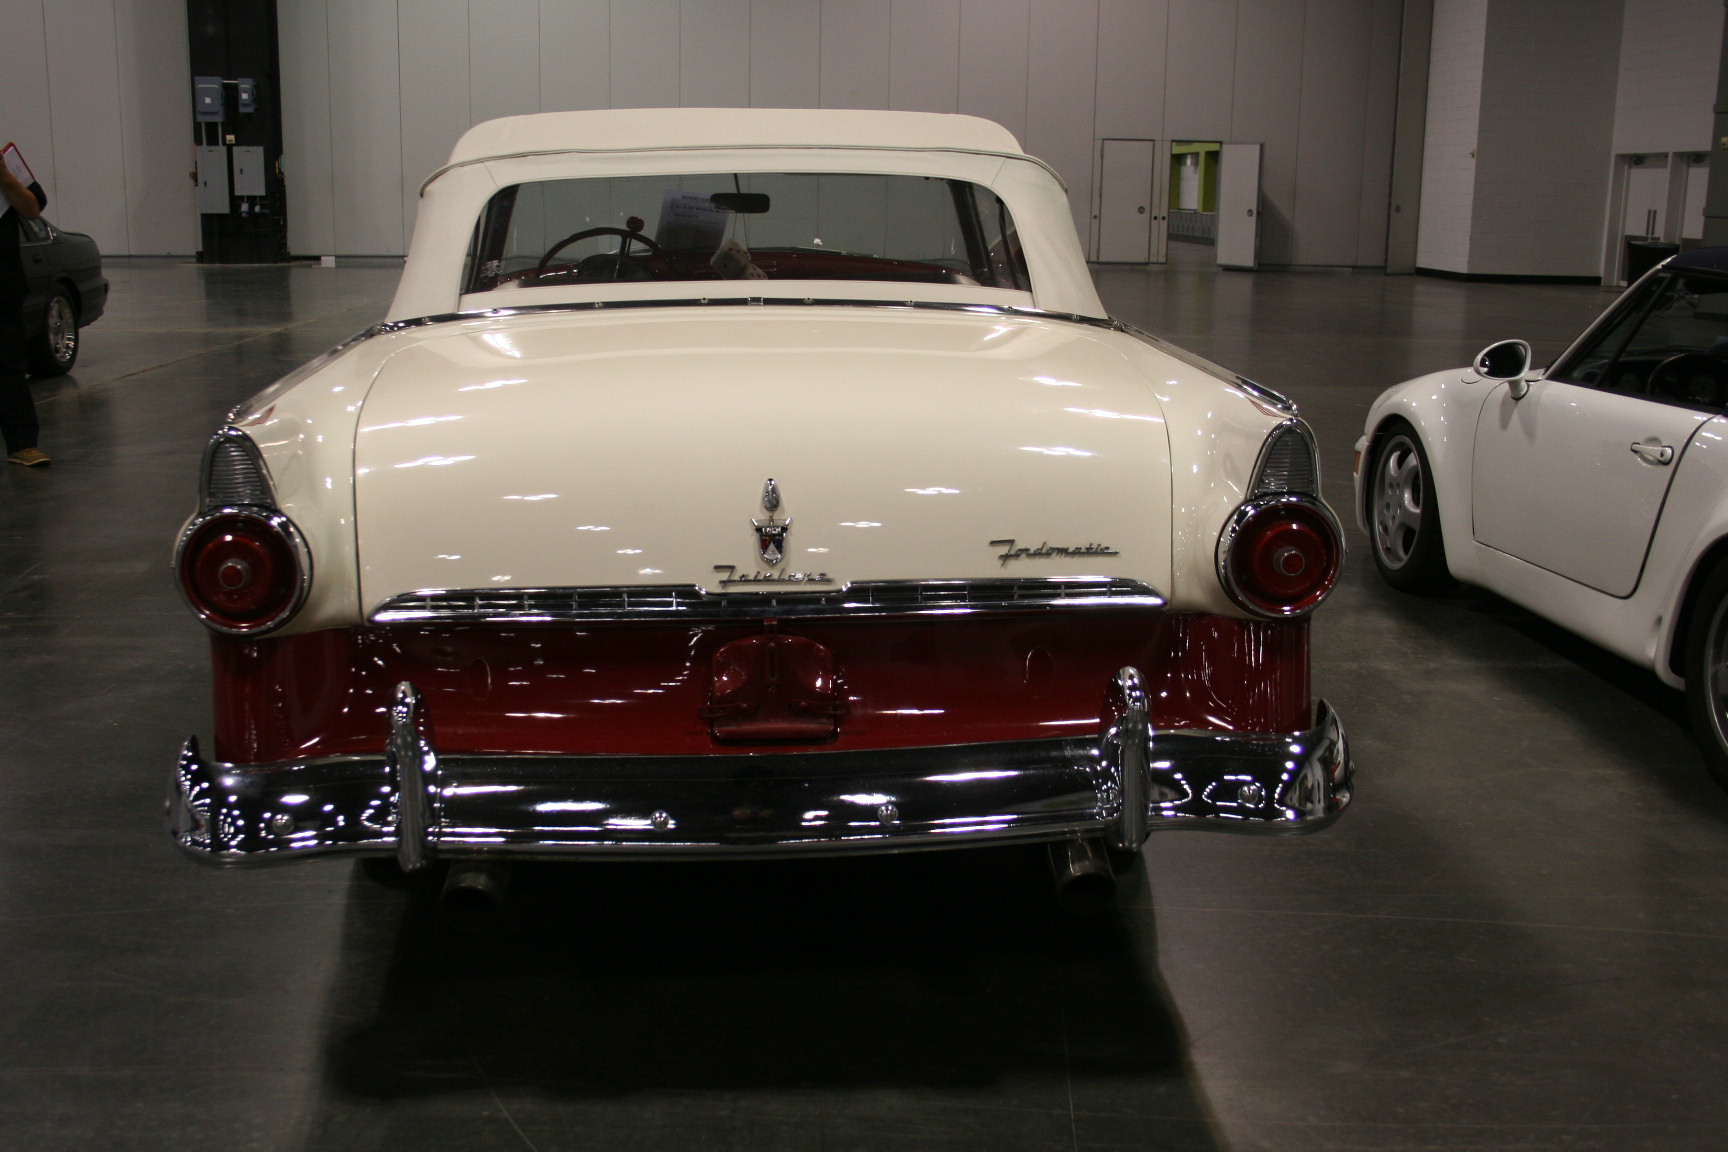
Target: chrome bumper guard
{"points": [[413, 803]]}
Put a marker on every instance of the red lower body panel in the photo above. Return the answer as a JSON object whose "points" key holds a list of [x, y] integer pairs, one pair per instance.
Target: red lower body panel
{"points": [[619, 689]]}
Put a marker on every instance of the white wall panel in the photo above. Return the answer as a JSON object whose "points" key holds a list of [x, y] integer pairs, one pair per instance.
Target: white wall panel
{"points": [[1669, 55], [644, 42], [1334, 97], [1200, 70], [308, 166], [575, 54], [89, 168], [1062, 47], [714, 54], [24, 94], [924, 55], [855, 41], [785, 53], [1266, 108], [1379, 118], [1547, 131], [993, 61], [380, 88], [1449, 146], [366, 120], [433, 48], [503, 56], [156, 126], [1129, 89]]}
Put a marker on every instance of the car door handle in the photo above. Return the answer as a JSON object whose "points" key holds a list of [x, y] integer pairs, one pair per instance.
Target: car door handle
{"points": [[1654, 453]]}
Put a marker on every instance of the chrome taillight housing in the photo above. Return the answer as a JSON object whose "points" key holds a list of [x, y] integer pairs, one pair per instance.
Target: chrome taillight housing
{"points": [[243, 567], [1280, 552]]}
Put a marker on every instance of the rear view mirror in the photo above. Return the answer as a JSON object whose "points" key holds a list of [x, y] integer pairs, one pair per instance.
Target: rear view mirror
{"points": [[748, 203], [1508, 360]]}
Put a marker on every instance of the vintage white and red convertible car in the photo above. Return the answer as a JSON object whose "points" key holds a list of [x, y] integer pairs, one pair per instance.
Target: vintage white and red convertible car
{"points": [[732, 482]]}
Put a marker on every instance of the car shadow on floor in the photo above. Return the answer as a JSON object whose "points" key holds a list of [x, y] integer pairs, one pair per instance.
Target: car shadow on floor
{"points": [[939, 975]]}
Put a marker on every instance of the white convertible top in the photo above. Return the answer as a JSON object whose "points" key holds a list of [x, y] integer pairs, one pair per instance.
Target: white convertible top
{"points": [[635, 129]]}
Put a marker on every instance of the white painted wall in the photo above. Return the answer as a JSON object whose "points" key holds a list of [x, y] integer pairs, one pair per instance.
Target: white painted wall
{"points": [[1455, 61], [376, 91], [1542, 168], [1669, 53], [97, 95]]}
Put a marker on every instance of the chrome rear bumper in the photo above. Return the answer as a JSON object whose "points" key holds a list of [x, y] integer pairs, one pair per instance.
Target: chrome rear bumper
{"points": [[413, 803]]}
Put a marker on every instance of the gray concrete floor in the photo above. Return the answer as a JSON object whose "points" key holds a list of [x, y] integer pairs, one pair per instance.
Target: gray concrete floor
{"points": [[1517, 939]]}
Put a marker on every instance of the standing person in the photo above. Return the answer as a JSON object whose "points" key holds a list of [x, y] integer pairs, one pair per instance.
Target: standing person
{"points": [[17, 410]]}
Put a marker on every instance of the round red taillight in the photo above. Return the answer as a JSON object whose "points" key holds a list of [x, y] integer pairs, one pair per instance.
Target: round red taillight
{"points": [[242, 570], [1280, 557]]}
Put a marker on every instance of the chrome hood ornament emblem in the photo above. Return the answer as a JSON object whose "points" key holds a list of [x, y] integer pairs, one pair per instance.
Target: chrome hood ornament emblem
{"points": [[771, 532]]}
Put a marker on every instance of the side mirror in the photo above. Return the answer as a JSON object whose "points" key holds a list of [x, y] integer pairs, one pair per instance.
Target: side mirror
{"points": [[1508, 360]]}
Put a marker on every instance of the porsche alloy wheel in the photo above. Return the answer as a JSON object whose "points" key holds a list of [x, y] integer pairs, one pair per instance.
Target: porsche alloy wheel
{"points": [[1707, 673], [55, 349], [1403, 516]]}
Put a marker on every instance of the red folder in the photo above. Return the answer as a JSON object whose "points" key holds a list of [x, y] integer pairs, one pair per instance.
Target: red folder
{"points": [[14, 161]]}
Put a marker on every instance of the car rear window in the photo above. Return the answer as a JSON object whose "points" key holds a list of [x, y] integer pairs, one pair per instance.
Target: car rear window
{"points": [[745, 226]]}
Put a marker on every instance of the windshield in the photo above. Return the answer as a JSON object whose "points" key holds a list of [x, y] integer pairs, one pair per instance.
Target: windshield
{"points": [[745, 226], [1669, 340]]}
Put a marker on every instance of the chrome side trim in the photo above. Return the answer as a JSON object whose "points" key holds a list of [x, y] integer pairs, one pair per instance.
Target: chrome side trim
{"points": [[302, 563], [763, 804], [1233, 527], [689, 602]]}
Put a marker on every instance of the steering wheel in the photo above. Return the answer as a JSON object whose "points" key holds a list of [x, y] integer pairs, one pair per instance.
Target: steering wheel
{"points": [[1692, 378], [617, 258]]}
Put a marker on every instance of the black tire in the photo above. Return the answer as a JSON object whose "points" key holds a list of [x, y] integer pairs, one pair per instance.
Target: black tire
{"points": [[1403, 515], [54, 350], [1707, 672]]}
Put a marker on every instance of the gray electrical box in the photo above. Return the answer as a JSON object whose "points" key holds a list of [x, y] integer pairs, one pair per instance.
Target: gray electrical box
{"points": [[249, 171], [213, 181], [207, 99], [246, 97]]}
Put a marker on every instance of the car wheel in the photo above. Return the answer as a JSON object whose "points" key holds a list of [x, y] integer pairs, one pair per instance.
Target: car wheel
{"points": [[1707, 672], [54, 350], [1403, 516]]}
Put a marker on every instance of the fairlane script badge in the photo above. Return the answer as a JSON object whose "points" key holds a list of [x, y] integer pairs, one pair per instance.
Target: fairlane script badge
{"points": [[1047, 551]]}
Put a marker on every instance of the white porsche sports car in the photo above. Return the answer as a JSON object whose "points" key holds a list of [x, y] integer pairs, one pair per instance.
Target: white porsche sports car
{"points": [[1593, 492], [747, 482]]}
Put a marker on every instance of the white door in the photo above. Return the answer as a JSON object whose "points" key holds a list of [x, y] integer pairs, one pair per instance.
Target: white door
{"points": [[1239, 206], [1571, 478], [1127, 206]]}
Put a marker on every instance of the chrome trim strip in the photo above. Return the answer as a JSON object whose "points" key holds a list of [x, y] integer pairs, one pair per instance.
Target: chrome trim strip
{"points": [[768, 804], [302, 559], [1233, 526], [689, 602], [389, 326]]}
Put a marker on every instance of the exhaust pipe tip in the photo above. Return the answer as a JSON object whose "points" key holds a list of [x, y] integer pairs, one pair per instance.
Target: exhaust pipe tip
{"points": [[1085, 882], [473, 896]]}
